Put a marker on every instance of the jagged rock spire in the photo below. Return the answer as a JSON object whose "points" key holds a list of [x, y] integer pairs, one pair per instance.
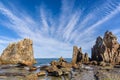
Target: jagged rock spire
{"points": [[106, 49]]}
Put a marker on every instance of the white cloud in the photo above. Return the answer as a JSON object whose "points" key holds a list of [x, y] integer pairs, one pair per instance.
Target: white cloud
{"points": [[91, 29], [65, 17], [45, 27], [25, 27], [80, 27], [71, 25], [52, 37]]}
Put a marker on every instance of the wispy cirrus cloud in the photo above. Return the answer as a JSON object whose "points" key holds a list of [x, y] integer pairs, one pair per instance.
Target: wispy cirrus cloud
{"points": [[45, 27], [70, 26], [24, 29], [55, 37], [90, 29]]}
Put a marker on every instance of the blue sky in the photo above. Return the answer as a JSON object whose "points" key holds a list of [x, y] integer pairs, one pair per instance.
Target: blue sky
{"points": [[55, 26]]}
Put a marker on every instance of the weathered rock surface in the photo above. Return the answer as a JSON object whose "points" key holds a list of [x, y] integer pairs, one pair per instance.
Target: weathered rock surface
{"points": [[31, 77], [111, 74], [78, 56], [32, 68], [58, 68], [41, 73], [21, 52], [106, 49]]}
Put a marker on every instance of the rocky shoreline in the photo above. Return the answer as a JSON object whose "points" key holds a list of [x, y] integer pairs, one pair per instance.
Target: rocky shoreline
{"points": [[85, 72], [17, 60]]}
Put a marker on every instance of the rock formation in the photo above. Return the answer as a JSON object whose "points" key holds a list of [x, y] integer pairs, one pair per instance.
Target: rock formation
{"points": [[19, 53], [106, 49], [58, 68], [78, 56]]}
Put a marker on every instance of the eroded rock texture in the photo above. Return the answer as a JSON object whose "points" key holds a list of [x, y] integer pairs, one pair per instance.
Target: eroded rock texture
{"points": [[58, 68], [78, 56], [106, 49], [21, 52]]}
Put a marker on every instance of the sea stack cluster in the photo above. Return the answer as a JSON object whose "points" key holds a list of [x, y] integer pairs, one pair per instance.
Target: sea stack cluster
{"points": [[79, 56], [106, 49]]}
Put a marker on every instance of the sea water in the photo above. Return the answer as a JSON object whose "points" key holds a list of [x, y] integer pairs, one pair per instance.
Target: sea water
{"points": [[46, 61]]}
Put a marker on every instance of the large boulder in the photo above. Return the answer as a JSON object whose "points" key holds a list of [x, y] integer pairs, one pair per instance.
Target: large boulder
{"points": [[19, 53], [78, 56], [106, 49]]}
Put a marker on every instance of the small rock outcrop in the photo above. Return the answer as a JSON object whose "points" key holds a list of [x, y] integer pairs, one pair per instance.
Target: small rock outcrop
{"points": [[78, 56], [19, 53], [106, 49], [58, 68], [41, 73]]}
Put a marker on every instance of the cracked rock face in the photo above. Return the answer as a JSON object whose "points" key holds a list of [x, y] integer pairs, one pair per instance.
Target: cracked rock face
{"points": [[106, 49], [78, 56], [21, 52]]}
